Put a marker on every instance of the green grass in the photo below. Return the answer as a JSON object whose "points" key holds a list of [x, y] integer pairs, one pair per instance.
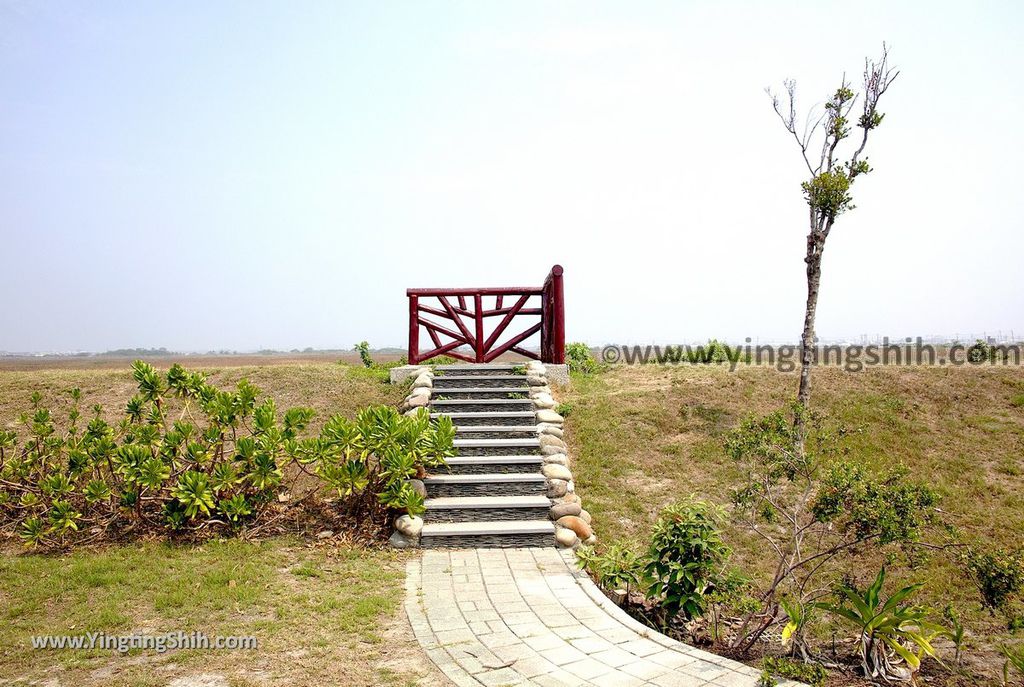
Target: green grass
{"points": [[318, 613], [642, 437], [321, 614]]}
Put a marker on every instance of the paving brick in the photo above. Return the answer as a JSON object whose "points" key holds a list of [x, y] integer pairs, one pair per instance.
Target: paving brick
{"points": [[526, 617]]}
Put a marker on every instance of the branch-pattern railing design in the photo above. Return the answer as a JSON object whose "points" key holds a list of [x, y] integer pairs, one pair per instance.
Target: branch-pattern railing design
{"points": [[463, 312]]}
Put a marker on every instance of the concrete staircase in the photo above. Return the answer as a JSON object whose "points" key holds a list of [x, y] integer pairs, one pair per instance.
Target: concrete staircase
{"points": [[493, 493]]}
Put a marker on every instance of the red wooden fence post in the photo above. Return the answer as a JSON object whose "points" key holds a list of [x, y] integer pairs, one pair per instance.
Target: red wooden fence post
{"points": [[478, 306], [414, 330], [557, 316]]}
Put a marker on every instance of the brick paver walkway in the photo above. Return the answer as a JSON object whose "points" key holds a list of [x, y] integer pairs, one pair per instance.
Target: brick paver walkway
{"points": [[530, 617]]}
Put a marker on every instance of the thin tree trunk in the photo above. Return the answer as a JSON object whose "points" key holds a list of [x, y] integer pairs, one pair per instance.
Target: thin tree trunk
{"points": [[815, 246]]}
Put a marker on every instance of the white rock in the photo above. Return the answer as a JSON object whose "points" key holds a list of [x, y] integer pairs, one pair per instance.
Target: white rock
{"points": [[552, 450], [416, 401], [409, 525], [423, 381], [534, 380], [549, 416], [548, 428], [591, 540], [565, 537], [536, 368], [548, 440], [556, 459], [556, 471], [556, 488], [544, 403], [570, 488], [420, 391], [538, 390], [585, 516]]}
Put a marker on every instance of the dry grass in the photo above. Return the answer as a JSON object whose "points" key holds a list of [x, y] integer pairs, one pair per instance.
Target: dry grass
{"points": [[644, 436], [329, 388]]}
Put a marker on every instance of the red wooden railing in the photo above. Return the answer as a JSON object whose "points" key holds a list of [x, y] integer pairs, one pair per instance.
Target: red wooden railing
{"points": [[468, 314]]}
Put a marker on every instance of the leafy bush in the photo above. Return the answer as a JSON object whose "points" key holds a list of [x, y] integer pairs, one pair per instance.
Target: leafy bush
{"points": [[811, 673], [686, 557], [714, 351], [829, 507], [999, 575], [370, 460], [444, 360], [363, 349], [616, 568], [888, 628], [580, 358], [189, 455]]}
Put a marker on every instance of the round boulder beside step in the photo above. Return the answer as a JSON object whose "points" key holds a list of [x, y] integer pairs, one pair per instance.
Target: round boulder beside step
{"points": [[548, 440], [550, 430], [400, 541], [548, 415], [560, 510], [417, 401], [556, 488], [556, 471], [409, 525], [577, 525], [565, 538]]}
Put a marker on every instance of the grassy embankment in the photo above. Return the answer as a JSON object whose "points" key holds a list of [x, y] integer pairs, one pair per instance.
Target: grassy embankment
{"points": [[644, 436]]}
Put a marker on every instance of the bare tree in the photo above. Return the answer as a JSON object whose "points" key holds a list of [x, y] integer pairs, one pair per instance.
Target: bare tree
{"points": [[827, 191]]}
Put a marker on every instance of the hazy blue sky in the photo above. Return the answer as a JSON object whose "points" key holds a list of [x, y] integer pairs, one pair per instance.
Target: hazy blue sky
{"points": [[204, 175]]}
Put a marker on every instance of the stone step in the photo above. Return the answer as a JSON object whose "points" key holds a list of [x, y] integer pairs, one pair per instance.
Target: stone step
{"points": [[475, 465], [495, 534], [481, 405], [521, 418], [497, 447], [486, 484], [495, 432], [498, 392], [484, 369], [486, 508], [442, 383]]}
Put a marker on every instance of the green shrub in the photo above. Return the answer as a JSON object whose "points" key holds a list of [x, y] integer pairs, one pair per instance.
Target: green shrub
{"points": [[189, 455], [363, 349], [564, 409], [811, 673], [443, 360], [686, 557], [616, 568], [999, 575], [833, 505], [580, 359]]}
